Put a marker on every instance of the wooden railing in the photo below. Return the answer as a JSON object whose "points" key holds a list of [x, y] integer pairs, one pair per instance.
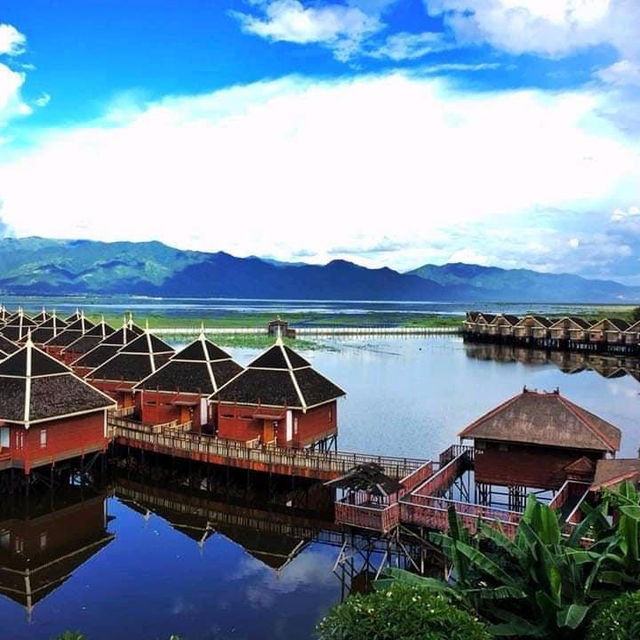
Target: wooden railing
{"points": [[200, 446], [122, 412], [432, 512], [439, 482], [455, 451], [383, 518]]}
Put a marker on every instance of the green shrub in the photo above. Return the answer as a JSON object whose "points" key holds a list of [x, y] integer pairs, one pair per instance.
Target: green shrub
{"points": [[400, 612], [619, 620]]}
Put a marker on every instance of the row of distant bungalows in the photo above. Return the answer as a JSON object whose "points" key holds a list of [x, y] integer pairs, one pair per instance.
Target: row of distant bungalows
{"points": [[572, 332], [85, 369]]}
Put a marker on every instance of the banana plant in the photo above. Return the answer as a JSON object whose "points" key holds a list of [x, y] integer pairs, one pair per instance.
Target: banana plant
{"points": [[540, 584]]}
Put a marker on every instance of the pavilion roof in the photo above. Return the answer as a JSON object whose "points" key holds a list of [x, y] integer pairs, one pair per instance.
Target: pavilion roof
{"points": [[279, 377], [135, 361], [71, 333], [201, 367], [36, 387], [368, 477], [91, 339], [545, 419]]}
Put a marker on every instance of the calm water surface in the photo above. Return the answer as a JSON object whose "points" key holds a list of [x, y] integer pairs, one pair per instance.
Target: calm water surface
{"points": [[165, 574]]}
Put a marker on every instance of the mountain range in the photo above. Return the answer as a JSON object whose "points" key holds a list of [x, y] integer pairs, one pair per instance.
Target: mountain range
{"points": [[39, 266]]}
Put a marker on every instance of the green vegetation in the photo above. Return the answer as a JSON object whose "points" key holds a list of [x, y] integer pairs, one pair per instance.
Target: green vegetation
{"points": [[234, 319], [252, 341], [618, 620], [400, 612], [542, 584]]}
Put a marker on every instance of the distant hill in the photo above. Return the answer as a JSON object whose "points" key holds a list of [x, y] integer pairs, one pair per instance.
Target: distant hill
{"points": [[59, 267], [523, 285]]}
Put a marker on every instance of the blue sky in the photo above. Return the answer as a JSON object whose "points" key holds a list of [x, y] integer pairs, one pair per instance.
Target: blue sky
{"points": [[388, 132]]}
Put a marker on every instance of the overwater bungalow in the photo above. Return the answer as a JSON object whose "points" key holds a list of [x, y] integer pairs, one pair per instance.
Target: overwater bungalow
{"points": [[87, 341], [108, 348], [50, 328], [133, 362], [72, 332], [47, 413], [179, 390], [569, 328], [483, 322], [40, 552], [632, 335], [532, 327], [470, 322], [17, 328], [279, 398], [608, 331], [502, 325], [535, 438]]}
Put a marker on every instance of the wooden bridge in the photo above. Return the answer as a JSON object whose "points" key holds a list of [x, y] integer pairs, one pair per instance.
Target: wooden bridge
{"points": [[302, 463]]}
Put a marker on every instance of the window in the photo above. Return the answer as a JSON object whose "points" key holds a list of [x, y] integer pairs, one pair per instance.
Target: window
{"points": [[19, 439], [43, 438], [43, 541], [4, 437]]}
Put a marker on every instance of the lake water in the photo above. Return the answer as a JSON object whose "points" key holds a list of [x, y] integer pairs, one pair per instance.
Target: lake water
{"points": [[164, 573]]}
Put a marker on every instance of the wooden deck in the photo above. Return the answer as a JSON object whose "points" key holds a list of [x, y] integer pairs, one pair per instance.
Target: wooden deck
{"points": [[279, 460]]}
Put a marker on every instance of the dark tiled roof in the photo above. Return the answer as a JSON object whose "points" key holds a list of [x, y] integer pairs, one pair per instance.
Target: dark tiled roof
{"points": [[83, 344], [581, 322], [13, 333], [129, 367], [52, 322], [43, 316], [102, 329], [123, 335], [274, 358], [42, 335], [97, 356], [202, 350], [546, 419], [268, 380], [610, 473], [7, 346], [148, 343], [65, 338], [50, 387], [618, 323], [192, 377]]}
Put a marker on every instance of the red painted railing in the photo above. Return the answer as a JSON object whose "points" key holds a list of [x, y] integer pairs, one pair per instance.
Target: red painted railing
{"points": [[381, 519]]}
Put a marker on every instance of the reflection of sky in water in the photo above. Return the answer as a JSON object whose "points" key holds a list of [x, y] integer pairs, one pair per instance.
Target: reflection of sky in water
{"points": [[405, 396]]}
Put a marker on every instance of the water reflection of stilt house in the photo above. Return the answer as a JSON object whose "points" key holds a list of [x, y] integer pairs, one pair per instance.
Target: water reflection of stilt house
{"points": [[39, 553], [279, 398], [179, 390]]}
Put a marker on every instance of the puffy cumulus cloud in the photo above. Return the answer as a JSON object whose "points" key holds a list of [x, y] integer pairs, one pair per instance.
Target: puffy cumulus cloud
{"points": [[273, 167], [340, 27], [546, 27], [12, 42]]}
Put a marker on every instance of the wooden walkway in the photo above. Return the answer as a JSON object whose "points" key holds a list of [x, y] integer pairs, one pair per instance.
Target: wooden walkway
{"points": [[279, 460]]}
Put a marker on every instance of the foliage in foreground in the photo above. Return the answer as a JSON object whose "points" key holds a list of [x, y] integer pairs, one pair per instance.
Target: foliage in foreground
{"points": [[542, 584], [618, 620], [400, 612]]}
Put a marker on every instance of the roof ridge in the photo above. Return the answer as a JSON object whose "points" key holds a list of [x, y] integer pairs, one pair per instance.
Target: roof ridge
{"points": [[303, 401]]}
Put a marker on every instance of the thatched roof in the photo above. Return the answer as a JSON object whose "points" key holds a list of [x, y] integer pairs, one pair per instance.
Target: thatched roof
{"points": [[368, 477], [611, 473], [201, 367], [279, 377], [546, 419], [35, 387]]}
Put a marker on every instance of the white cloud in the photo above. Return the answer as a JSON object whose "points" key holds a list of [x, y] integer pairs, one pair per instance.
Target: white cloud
{"points": [[273, 166], [409, 46], [340, 27], [12, 42], [11, 104], [546, 27], [621, 73]]}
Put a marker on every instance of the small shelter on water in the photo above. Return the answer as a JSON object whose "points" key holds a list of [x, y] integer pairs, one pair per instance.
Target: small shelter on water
{"points": [[571, 328], [539, 440], [609, 331], [47, 413], [532, 327], [133, 362], [279, 398], [179, 390], [106, 349]]}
